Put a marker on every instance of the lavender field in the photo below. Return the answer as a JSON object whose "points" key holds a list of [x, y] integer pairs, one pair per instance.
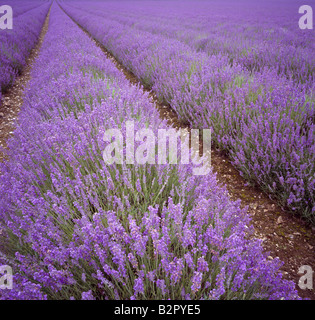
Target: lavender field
{"points": [[74, 227]]}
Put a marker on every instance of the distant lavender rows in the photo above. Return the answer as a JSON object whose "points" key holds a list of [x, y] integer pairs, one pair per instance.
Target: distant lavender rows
{"points": [[74, 228], [20, 7], [244, 36], [16, 44], [265, 120]]}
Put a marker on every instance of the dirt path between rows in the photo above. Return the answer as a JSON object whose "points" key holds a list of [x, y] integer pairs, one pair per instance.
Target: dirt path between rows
{"points": [[13, 99], [284, 235]]}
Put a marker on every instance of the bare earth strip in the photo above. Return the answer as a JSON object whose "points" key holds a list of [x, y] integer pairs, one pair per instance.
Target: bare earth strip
{"points": [[13, 99], [284, 235]]}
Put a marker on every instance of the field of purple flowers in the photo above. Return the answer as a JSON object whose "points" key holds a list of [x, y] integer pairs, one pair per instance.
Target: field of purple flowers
{"points": [[248, 75], [74, 228], [16, 44], [20, 7]]}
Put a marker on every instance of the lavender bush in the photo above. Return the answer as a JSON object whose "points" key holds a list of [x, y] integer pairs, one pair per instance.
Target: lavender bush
{"points": [[74, 228], [262, 115]]}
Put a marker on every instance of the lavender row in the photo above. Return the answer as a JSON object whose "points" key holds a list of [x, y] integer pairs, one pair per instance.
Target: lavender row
{"points": [[256, 38], [16, 44], [265, 121], [20, 7], [74, 228]]}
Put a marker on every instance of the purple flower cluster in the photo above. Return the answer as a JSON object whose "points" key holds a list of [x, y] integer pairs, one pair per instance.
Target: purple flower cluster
{"points": [[248, 77], [73, 227], [16, 44]]}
